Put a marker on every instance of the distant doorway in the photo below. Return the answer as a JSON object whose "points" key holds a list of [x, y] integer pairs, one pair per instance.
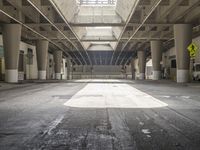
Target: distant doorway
{"points": [[21, 66]]}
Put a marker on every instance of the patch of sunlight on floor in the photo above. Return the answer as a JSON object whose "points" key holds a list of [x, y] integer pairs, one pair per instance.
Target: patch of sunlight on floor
{"points": [[99, 80], [98, 95]]}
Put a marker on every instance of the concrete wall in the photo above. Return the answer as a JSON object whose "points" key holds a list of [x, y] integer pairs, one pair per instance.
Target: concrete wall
{"points": [[69, 8], [149, 69], [51, 69], [167, 59], [101, 71], [124, 7], [64, 69]]}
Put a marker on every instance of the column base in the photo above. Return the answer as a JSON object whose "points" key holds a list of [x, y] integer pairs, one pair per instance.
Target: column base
{"points": [[20, 76], [42, 75], [141, 76], [58, 76], [69, 77], [156, 75], [133, 76], [11, 75], [182, 76]]}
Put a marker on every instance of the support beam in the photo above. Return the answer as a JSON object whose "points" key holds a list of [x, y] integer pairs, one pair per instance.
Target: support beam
{"points": [[156, 54], [11, 43], [183, 37], [42, 51], [141, 64], [57, 55]]}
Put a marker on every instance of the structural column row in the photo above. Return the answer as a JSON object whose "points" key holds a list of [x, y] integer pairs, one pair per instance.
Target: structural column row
{"points": [[183, 38], [42, 56], [57, 55], [156, 55], [11, 43]]}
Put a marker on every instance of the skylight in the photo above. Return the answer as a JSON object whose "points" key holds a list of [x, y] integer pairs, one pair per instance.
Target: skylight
{"points": [[99, 31], [97, 2]]}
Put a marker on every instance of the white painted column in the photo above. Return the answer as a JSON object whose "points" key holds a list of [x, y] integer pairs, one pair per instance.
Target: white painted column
{"points": [[156, 54], [11, 43], [42, 51], [69, 69], [183, 38], [63, 70], [57, 55]]}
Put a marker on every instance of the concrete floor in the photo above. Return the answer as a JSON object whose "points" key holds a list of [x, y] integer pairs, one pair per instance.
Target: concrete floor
{"points": [[100, 115]]}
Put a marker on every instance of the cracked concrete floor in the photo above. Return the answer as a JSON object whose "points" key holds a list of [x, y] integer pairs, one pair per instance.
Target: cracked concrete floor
{"points": [[100, 115]]}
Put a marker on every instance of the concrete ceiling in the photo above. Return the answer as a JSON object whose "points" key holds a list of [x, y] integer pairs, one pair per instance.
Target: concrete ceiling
{"points": [[124, 27]]}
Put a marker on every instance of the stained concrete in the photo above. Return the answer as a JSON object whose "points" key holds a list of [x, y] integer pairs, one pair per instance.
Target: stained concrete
{"points": [[37, 116]]}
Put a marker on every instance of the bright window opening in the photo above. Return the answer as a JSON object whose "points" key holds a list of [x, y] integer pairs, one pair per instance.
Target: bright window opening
{"points": [[97, 2], [99, 31]]}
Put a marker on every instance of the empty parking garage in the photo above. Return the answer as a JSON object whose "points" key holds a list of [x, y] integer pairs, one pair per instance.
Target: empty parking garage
{"points": [[99, 74]]}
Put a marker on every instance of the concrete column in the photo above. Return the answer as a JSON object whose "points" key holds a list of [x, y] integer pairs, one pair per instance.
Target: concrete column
{"points": [[69, 64], [64, 75], [156, 54], [183, 38], [142, 64], [11, 43], [133, 68], [57, 55], [84, 72], [42, 52]]}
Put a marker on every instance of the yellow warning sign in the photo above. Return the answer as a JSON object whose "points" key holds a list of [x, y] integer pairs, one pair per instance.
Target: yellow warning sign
{"points": [[192, 48]]}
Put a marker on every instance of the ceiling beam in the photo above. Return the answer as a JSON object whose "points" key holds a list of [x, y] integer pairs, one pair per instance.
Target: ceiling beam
{"points": [[33, 30], [155, 5], [68, 25], [124, 28]]}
